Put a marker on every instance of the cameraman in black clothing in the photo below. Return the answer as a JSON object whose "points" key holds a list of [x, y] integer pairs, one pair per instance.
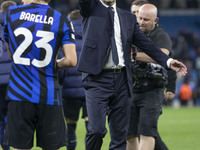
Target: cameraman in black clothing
{"points": [[150, 79]]}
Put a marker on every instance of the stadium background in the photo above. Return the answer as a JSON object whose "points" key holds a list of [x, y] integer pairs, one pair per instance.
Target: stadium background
{"points": [[180, 128]]}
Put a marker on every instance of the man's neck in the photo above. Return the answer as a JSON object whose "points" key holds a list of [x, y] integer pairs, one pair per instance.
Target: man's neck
{"points": [[40, 2], [150, 31], [109, 3]]}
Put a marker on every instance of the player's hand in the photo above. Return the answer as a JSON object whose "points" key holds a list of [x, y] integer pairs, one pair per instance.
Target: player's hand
{"points": [[169, 96], [179, 67]]}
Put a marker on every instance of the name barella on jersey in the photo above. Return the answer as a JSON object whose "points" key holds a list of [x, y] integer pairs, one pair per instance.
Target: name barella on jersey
{"points": [[35, 32]]}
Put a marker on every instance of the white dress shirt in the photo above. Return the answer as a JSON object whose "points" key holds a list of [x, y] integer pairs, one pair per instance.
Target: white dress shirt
{"points": [[117, 33]]}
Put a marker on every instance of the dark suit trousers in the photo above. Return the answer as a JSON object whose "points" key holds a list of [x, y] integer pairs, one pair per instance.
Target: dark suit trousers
{"points": [[107, 94]]}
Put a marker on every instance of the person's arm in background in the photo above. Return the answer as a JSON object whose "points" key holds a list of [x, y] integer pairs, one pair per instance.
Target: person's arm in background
{"points": [[171, 86], [70, 58], [141, 56]]}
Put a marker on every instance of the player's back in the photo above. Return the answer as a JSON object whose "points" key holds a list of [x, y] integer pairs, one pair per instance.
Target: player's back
{"points": [[35, 32]]}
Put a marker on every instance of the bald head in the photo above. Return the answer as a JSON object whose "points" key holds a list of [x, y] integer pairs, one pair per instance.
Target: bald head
{"points": [[147, 17], [149, 9]]}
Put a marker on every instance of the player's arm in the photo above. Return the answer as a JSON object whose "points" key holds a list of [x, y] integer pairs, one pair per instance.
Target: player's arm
{"points": [[141, 56], [70, 58]]}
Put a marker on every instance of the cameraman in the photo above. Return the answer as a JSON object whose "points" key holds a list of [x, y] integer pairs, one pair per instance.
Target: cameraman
{"points": [[149, 82]]}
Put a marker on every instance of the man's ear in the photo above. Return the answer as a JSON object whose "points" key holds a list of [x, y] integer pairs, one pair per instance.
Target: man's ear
{"points": [[156, 20]]}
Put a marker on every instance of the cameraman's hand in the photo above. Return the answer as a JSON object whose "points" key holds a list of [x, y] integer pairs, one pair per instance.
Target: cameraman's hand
{"points": [[169, 96]]}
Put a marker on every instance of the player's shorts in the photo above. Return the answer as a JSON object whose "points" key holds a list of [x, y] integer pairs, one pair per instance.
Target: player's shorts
{"points": [[72, 108], [25, 118], [145, 111]]}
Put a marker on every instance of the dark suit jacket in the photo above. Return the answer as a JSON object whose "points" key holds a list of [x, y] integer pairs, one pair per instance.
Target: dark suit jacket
{"points": [[97, 34]]}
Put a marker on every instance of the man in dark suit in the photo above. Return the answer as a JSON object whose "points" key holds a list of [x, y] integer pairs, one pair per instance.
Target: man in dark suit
{"points": [[105, 62]]}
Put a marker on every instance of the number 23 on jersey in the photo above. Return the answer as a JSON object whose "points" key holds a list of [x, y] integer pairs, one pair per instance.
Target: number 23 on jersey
{"points": [[46, 37]]}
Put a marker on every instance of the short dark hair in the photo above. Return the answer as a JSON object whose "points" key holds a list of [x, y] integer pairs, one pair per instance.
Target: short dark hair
{"points": [[5, 5], [47, 1], [74, 15], [139, 2]]}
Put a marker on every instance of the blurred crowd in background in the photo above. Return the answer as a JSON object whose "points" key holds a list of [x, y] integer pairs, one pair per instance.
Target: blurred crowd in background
{"points": [[180, 18], [68, 5]]}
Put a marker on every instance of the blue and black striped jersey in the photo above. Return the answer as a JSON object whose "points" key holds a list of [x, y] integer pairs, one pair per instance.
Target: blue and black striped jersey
{"points": [[35, 32]]}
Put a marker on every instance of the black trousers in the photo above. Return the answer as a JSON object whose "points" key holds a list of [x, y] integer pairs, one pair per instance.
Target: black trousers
{"points": [[107, 94]]}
